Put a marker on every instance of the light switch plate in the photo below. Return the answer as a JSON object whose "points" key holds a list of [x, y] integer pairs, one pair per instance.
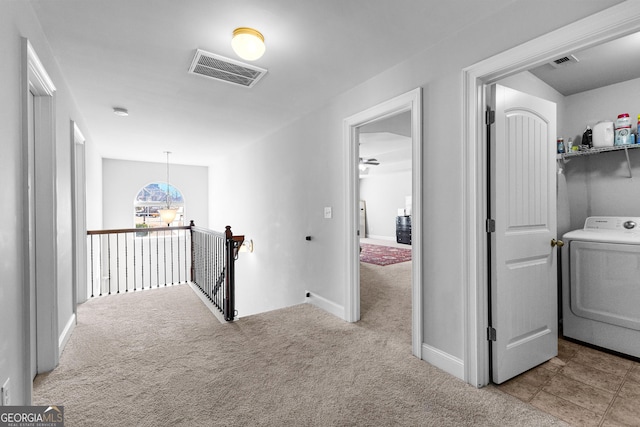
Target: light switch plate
{"points": [[327, 212]]}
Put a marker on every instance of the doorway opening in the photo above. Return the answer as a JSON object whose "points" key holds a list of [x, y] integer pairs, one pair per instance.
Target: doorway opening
{"points": [[41, 350], [79, 216], [384, 164], [610, 24], [411, 103]]}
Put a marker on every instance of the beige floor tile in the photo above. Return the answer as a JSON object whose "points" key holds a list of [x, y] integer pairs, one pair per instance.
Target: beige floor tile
{"points": [[611, 423], [554, 364], [625, 412], [634, 373], [630, 390], [579, 393], [592, 376], [567, 349], [565, 410], [604, 361], [537, 376], [579, 386], [519, 389]]}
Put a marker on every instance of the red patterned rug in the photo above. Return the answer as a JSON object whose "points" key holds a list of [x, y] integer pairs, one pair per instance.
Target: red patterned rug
{"points": [[383, 255]]}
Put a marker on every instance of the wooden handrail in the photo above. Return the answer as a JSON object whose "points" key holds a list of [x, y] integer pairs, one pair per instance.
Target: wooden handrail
{"points": [[137, 230]]}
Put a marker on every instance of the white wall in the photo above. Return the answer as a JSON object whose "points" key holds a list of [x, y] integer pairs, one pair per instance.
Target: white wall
{"points": [[591, 185], [123, 179], [600, 184], [384, 194], [16, 21], [597, 184], [269, 202], [93, 166], [286, 179], [294, 173]]}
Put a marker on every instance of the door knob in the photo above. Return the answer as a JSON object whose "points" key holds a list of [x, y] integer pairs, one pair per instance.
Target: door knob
{"points": [[558, 243]]}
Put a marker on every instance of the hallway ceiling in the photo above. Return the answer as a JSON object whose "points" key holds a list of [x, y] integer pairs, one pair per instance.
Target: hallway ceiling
{"points": [[135, 55], [608, 63]]}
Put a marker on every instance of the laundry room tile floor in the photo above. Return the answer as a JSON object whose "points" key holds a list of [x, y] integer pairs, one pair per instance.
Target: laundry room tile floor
{"points": [[583, 387]]}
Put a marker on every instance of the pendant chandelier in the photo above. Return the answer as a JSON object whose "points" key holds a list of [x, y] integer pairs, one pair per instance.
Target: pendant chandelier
{"points": [[168, 214]]}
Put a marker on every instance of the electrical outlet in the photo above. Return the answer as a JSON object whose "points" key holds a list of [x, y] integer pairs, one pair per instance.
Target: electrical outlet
{"points": [[4, 393], [327, 212]]}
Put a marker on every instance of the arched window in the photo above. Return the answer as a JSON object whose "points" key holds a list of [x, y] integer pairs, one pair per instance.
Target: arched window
{"points": [[153, 197]]}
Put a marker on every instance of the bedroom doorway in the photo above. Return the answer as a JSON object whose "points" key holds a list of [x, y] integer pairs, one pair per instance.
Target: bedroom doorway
{"points": [[384, 165], [409, 103]]}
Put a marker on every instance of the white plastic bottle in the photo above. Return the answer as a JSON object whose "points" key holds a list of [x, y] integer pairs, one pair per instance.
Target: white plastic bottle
{"points": [[623, 130]]}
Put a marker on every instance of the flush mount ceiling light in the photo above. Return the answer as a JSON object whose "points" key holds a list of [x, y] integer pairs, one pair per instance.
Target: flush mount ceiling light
{"points": [[118, 111], [248, 43]]}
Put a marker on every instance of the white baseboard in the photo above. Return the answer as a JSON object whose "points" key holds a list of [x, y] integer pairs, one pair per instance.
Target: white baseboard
{"points": [[373, 236], [216, 312], [448, 363], [66, 333], [325, 304]]}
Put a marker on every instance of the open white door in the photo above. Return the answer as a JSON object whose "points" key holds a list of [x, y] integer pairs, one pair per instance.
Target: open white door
{"points": [[523, 254], [79, 218], [31, 239]]}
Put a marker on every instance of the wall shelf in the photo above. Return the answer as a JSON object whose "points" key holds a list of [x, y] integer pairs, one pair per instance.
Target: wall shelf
{"points": [[566, 156], [591, 151]]}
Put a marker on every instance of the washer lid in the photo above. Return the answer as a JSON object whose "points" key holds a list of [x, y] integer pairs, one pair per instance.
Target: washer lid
{"points": [[608, 229]]}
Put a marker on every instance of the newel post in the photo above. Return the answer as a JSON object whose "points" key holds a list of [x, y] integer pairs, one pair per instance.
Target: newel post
{"points": [[229, 294], [193, 252]]}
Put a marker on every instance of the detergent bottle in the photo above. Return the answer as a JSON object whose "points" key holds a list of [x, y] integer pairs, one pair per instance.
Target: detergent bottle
{"points": [[623, 130]]}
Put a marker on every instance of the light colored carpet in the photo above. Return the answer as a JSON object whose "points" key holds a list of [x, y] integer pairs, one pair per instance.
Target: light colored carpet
{"points": [[160, 358]]}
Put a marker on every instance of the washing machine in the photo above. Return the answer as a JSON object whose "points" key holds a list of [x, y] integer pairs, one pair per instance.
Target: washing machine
{"points": [[601, 284]]}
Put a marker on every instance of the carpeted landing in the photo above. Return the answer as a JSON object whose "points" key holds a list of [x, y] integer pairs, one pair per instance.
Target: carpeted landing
{"points": [[160, 358]]}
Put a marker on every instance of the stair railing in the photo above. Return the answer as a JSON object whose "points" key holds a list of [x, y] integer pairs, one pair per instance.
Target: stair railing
{"points": [[124, 260]]}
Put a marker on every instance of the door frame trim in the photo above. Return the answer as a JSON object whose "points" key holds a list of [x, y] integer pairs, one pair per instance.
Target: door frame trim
{"points": [[410, 101], [609, 24], [78, 217], [36, 78]]}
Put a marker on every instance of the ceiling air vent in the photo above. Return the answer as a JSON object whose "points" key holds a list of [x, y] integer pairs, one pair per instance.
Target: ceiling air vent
{"points": [[220, 68], [565, 60]]}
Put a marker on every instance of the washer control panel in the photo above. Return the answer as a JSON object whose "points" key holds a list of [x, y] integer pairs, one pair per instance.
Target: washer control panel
{"points": [[619, 223]]}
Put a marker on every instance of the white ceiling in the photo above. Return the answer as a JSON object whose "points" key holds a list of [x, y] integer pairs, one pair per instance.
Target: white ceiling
{"points": [[608, 63], [389, 142], [613, 62], [391, 150], [135, 54]]}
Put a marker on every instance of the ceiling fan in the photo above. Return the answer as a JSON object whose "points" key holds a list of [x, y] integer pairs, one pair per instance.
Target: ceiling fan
{"points": [[372, 162], [363, 164]]}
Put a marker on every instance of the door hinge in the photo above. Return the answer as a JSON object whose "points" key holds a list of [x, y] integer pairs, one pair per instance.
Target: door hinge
{"points": [[491, 334], [491, 225], [490, 117]]}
